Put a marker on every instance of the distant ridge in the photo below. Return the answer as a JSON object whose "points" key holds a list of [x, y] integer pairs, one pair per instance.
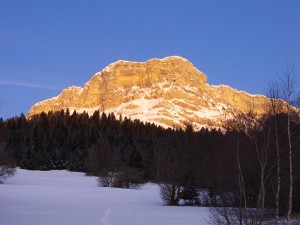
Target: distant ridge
{"points": [[169, 92]]}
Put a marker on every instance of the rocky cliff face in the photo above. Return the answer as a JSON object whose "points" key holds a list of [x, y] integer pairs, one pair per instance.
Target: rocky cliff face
{"points": [[170, 92]]}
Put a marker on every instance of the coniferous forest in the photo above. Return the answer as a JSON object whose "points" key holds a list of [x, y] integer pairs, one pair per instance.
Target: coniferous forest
{"points": [[188, 161]]}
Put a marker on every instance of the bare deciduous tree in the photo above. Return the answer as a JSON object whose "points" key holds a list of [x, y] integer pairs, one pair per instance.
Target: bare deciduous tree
{"points": [[258, 130], [288, 88], [274, 109]]}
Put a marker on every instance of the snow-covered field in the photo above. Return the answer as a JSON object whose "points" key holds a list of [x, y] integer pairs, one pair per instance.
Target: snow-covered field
{"points": [[69, 198]]}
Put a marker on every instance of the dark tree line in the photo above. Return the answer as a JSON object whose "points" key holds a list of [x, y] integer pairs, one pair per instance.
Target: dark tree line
{"points": [[182, 162]]}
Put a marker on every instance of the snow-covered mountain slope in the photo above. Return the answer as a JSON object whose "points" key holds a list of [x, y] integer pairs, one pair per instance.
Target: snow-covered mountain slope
{"points": [[170, 92]]}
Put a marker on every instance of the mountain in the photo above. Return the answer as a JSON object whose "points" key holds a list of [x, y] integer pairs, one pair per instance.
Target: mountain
{"points": [[170, 92]]}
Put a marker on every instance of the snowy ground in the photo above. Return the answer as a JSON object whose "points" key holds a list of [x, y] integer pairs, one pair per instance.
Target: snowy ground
{"points": [[68, 198]]}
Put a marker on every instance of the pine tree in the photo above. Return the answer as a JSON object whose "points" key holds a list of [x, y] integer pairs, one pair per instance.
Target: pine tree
{"points": [[136, 160]]}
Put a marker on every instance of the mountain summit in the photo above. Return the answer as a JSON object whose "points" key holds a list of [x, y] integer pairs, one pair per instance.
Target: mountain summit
{"points": [[170, 92]]}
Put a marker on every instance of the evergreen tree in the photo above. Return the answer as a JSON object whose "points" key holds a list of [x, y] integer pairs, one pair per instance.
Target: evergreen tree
{"points": [[136, 160]]}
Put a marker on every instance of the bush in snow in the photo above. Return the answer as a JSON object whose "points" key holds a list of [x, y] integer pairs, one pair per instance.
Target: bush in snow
{"points": [[170, 193], [6, 171], [108, 179], [7, 167], [190, 195], [126, 177]]}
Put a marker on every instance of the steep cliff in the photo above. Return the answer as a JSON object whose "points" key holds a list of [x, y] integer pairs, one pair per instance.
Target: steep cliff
{"points": [[170, 92]]}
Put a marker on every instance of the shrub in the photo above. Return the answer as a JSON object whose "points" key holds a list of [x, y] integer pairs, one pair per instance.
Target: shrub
{"points": [[126, 177], [7, 167], [6, 171], [108, 180], [190, 195], [170, 193]]}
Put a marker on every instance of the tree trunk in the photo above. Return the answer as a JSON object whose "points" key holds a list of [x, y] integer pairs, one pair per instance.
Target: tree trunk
{"points": [[290, 199], [289, 85], [278, 174], [243, 199], [275, 108]]}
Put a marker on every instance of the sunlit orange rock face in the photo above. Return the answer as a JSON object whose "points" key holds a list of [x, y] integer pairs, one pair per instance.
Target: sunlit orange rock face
{"points": [[170, 92]]}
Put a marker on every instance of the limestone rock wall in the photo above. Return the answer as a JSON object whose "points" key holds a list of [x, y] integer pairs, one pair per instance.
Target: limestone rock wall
{"points": [[107, 88], [170, 92]]}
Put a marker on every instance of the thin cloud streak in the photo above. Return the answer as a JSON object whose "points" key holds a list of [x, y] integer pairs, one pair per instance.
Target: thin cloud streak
{"points": [[28, 85], [17, 39]]}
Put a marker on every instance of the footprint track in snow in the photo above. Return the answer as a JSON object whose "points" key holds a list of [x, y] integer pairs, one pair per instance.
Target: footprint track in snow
{"points": [[108, 210], [105, 217]]}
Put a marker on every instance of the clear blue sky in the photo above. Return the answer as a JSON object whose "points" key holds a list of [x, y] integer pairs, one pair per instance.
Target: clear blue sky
{"points": [[46, 46]]}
